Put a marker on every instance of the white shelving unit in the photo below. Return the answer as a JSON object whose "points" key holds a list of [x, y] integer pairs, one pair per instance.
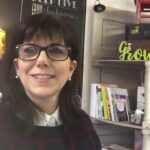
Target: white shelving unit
{"points": [[144, 66], [119, 63], [107, 29], [123, 124]]}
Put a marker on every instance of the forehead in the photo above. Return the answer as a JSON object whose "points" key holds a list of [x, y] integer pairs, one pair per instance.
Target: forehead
{"points": [[45, 39], [43, 34]]}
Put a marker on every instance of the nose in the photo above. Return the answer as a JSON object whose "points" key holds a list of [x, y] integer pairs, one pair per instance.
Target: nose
{"points": [[42, 59]]}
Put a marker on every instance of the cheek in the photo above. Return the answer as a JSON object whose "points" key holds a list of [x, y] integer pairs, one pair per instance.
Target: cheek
{"points": [[63, 71], [23, 68]]}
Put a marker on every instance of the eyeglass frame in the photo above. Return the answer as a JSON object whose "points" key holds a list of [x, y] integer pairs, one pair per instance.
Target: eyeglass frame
{"points": [[41, 48]]}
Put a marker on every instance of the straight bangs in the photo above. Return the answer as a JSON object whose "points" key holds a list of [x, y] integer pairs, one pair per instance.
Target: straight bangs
{"points": [[43, 32]]}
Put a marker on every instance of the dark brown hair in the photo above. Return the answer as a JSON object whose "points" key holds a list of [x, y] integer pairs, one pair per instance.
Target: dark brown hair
{"points": [[51, 26]]}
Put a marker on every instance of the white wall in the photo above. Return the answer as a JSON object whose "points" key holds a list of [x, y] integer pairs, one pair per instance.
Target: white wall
{"points": [[120, 4]]}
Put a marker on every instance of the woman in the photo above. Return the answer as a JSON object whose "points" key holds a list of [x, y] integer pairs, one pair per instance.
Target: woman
{"points": [[39, 110]]}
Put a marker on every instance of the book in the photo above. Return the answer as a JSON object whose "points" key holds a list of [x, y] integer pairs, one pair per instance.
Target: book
{"points": [[105, 100], [110, 99], [120, 103], [99, 105], [95, 101], [140, 98]]}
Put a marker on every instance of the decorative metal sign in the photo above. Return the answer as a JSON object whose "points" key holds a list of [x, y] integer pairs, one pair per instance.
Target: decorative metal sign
{"points": [[126, 52]]}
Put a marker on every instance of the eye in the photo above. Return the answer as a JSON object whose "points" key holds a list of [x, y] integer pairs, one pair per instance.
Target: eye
{"points": [[55, 49], [29, 49], [58, 50]]}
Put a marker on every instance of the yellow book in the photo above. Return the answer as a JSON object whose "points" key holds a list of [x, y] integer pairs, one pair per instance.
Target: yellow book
{"points": [[105, 102]]}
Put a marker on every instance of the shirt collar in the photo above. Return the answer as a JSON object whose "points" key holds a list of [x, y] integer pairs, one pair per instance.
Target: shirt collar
{"points": [[49, 120]]}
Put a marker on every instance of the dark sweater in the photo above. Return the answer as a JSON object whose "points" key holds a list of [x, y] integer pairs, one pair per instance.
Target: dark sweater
{"points": [[44, 138]]}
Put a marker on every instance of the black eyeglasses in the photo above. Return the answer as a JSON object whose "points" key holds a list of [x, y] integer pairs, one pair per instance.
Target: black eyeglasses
{"points": [[55, 52]]}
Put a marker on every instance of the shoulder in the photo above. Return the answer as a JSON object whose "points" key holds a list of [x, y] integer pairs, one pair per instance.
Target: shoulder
{"points": [[86, 118], [83, 121], [12, 125], [5, 115], [8, 121], [4, 120], [89, 131]]}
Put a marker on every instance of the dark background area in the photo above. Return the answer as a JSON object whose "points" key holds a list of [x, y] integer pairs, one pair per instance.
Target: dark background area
{"points": [[9, 12], [9, 15]]}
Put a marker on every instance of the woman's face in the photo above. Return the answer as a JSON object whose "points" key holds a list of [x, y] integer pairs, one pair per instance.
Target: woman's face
{"points": [[44, 78]]}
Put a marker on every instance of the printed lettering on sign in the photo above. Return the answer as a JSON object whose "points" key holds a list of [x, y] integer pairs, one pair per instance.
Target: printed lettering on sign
{"points": [[64, 7]]}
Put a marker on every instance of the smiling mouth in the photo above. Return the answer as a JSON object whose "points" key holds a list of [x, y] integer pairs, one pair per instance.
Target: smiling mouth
{"points": [[43, 76]]}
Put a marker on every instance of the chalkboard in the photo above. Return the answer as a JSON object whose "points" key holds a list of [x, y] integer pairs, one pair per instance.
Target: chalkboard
{"points": [[74, 10]]}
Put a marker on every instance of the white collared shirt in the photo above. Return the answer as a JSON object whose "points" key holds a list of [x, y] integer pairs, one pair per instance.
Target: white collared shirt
{"points": [[49, 120]]}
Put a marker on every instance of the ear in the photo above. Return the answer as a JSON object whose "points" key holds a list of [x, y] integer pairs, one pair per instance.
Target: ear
{"points": [[73, 66], [16, 65]]}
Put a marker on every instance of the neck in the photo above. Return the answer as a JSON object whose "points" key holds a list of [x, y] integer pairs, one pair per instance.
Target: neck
{"points": [[46, 104]]}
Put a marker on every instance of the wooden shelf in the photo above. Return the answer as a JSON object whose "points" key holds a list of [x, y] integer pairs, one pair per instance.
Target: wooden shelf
{"points": [[122, 124], [119, 64]]}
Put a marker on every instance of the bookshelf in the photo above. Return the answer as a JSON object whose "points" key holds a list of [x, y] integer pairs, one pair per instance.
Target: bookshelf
{"points": [[119, 63], [143, 66], [140, 68], [125, 74], [102, 66], [125, 124]]}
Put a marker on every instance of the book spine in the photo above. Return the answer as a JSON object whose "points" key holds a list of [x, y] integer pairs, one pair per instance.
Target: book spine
{"points": [[93, 100], [105, 102], [110, 99]]}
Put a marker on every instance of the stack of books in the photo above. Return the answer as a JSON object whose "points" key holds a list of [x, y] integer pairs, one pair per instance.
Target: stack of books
{"points": [[109, 102]]}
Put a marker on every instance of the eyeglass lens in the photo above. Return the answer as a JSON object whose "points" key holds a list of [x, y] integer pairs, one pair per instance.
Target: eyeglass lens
{"points": [[31, 51]]}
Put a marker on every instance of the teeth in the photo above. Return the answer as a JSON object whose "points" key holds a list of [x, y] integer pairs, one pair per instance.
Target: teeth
{"points": [[43, 76]]}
